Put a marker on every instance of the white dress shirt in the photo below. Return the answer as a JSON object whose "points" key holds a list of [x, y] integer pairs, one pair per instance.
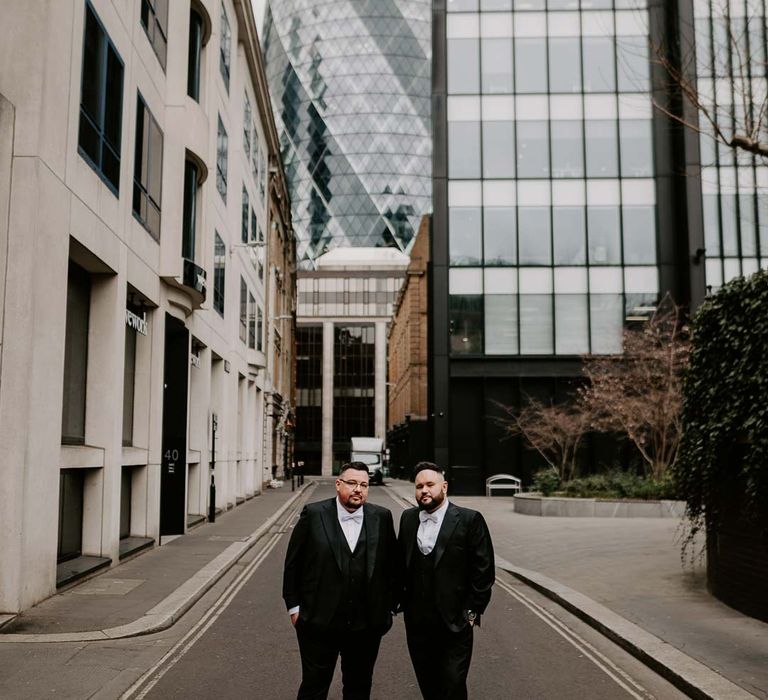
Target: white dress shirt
{"points": [[351, 526], [429, 527]]}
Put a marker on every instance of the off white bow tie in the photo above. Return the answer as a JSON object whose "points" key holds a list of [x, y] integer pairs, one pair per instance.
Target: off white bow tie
{"points": [[424, 517], [357, 517]]}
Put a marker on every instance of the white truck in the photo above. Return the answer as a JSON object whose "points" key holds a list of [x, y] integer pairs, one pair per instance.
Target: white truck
{"points": [[369, 451]]}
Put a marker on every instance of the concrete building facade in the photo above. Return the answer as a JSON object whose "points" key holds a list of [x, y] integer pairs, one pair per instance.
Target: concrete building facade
{"points": [[145, 253]]}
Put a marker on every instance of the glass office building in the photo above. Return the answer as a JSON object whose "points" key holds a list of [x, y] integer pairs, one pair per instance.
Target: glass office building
{"points": [[350, 84], [565, 203]]}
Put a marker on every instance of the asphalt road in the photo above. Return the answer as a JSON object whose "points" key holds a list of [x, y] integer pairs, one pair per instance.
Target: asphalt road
{"points": [[245, 647]]}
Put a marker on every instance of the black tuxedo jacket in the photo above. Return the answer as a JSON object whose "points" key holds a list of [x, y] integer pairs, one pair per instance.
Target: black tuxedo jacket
{"points": [[463, 559], [312, 577]]}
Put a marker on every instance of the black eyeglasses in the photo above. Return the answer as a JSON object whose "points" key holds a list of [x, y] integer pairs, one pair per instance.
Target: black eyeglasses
{"points": [[354, 484]]}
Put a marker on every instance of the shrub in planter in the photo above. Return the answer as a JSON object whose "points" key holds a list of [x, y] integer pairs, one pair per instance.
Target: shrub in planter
{"points": [[546, 482], [722, 466]]}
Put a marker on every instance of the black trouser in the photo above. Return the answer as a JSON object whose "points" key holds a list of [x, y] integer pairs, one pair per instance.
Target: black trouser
{"points": [[440, 659], [320, 648]]}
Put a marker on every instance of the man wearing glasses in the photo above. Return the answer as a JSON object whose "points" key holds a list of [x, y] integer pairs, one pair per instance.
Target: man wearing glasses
{"points": [[339, 585]]}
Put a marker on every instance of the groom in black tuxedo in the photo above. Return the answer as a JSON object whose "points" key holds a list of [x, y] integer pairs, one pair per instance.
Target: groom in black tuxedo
{"points": [[448, 572], [340, 586]]}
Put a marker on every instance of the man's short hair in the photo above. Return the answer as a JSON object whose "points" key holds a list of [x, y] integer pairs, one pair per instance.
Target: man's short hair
{"points": [[423, 466], [357, 466]]}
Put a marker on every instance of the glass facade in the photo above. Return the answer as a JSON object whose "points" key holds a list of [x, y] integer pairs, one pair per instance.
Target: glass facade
{"points": [[551, 197], [351, 296], [731, 79], [350, 83], [309, 396], [353, 390]]}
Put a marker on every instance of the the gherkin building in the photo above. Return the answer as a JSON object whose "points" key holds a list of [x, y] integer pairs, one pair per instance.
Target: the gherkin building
{"points": [[350, 84]]}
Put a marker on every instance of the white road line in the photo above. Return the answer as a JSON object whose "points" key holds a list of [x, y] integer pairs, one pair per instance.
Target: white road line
{"points": [[621, 677], [153, 675]]}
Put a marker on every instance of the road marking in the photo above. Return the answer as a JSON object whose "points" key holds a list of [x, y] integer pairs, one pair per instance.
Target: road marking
{"points": [[150, 678], [621, 677]]}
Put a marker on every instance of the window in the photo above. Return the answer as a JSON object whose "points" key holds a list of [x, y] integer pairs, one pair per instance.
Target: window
{"points": [[256, 153], [463, 66], [498, 149], [194, 55], [219, 264], [464, 226], [499, 236], [251, 321], [602, 149], [147, 170], [599, 65], [247, 119], [604, 235], [466, 323], [76, 356], [464, 149], [225, 46], [189, 214], [129, 384], [497, 65], [244, 217], [532, 149], [534, 236], [101, 102], [221, 161], [567, 149], [259, 330], [243, 310], [530, 65], [255, 232], [564, 65], [154, 19]]}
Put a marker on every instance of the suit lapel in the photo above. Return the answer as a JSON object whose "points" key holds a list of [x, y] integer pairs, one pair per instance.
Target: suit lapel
{"points": [[446, 531], [371, 527], [330, 521]]}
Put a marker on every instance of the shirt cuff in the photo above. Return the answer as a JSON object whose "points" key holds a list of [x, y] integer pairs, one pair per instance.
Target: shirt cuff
{"points": [[293, 610]]}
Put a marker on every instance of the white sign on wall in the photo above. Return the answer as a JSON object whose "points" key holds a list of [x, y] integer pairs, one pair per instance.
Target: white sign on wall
{"points": [[138, 323]]}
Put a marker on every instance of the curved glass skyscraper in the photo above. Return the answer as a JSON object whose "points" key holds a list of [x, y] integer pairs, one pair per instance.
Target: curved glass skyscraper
{"points": [[350, 82]]}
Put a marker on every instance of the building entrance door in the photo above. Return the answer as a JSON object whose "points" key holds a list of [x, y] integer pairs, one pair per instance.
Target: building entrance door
{"points": [[173, 505]]}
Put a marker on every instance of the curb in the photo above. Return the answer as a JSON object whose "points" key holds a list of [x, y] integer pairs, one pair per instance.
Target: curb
{"points": [[684, 672], [169, 610]]}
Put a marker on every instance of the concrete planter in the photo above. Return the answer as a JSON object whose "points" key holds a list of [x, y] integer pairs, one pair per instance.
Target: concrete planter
{"points": [[536, 504]]}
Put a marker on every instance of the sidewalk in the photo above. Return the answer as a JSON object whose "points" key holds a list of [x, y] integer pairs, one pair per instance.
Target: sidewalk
{"points": [[149, 593], [625, 577]]}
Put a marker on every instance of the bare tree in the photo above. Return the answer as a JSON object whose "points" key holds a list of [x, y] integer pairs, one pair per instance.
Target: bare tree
{"points": [[555, 431], [721, 78], [639, 393]]}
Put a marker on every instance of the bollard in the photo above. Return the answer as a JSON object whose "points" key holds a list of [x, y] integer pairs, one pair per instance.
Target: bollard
{"points": [[212, 501]]}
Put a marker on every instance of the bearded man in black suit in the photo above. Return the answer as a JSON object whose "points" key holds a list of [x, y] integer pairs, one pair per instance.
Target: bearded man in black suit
{"points": [[448, 572], [340, 586]]}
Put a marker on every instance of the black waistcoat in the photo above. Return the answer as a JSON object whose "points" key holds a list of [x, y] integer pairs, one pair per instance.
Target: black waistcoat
{"points": [[352, 613], [422, 604]]}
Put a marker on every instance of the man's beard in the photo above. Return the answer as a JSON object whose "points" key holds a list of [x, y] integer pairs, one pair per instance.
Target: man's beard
{"points": [[434, 504], [351, 505]]}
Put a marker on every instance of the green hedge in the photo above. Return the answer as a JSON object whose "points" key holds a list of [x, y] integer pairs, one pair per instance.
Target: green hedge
{"points": [[725, 404], [611, 484]]}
